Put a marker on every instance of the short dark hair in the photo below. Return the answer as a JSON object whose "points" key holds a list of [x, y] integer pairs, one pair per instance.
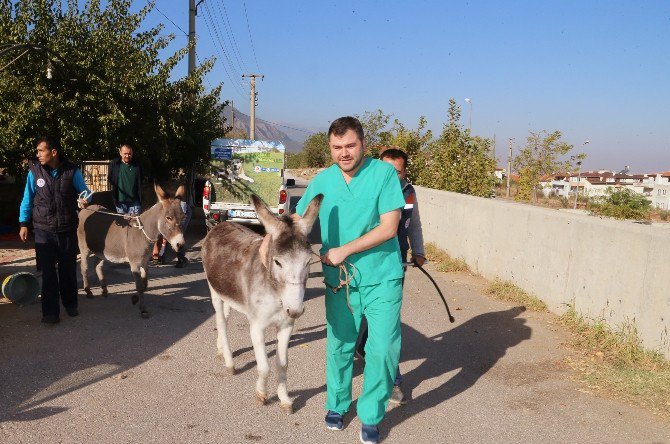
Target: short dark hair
{"points": [[127, 145], [344, 124], [52, 142], [394, 153]]}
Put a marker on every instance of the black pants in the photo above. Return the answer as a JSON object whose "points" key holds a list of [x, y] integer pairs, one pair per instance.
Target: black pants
{"points": [[57, 249]]}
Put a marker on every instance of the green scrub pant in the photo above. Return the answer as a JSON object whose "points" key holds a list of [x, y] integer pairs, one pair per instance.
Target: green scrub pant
{"points": [[381, 305]]}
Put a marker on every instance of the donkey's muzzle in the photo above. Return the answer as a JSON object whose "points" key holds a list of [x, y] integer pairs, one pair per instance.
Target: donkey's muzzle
{"points": [[294, 314]]}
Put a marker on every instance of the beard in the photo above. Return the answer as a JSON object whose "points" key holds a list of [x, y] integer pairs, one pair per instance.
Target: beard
{"points": [[352, 166]]}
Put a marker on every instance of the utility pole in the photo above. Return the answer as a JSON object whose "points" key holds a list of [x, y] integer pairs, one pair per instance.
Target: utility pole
{"points": [[232, 113], [252, 103], [192, 12], [509, 165]]}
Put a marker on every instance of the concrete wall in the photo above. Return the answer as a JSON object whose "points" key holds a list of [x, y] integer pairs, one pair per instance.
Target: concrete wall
{"points": [[614, 270]]}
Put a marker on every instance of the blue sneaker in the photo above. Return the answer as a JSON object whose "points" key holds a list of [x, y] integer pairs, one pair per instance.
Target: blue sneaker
{"points": [[369, 434], [334, 420]]}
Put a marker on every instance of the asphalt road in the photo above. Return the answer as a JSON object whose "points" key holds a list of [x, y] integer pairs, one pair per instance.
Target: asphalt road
{"points": [[495, 375]]}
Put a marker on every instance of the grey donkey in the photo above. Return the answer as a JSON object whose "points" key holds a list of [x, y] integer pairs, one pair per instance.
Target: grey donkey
{"points": [[129, 239]]}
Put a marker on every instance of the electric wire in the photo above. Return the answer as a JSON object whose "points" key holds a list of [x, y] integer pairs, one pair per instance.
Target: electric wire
{"points": [[168, 18], [285, 126], [253, 50], [215, 27], [231, 36], [219, 48]]}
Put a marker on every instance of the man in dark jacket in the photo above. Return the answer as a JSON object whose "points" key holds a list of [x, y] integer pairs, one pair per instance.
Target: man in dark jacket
{"points": [[50, 200], [125, 180], [410, 235]]}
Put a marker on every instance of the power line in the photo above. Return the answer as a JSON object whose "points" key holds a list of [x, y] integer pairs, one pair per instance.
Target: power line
{"points": [[215, 27], [231, 36], [286, 126], [250, 38], [233, 81], [168, 18]]}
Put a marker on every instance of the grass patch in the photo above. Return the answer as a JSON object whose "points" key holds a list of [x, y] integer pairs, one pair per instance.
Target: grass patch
{"points": [[507, 291], [616, 363], [442, 261]]}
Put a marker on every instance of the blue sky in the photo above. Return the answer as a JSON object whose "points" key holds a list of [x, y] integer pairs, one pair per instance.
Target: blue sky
{"points": [[595, 70]]}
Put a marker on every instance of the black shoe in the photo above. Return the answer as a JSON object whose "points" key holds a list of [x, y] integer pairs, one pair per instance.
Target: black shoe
{"points": [[72, 311], [334, 421], [369, 434], [181, 262], [50, 319]]}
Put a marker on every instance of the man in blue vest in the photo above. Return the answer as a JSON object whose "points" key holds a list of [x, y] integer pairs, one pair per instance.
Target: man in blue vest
{"points": [[50, 200], [410, 235]]}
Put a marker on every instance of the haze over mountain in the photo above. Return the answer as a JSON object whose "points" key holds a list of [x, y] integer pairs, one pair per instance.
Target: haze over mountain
{"points": [[265, 130]]}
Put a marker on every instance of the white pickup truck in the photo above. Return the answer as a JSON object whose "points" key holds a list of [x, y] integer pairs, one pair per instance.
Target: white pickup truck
{"points": [[238, 168]]}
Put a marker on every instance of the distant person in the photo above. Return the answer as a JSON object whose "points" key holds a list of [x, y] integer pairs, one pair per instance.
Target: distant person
{"points": [[410, 234], [50, 200], [125, 180]]}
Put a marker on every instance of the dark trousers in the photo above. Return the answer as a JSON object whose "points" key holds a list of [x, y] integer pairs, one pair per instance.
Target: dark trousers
{"points": [[57, 256]]}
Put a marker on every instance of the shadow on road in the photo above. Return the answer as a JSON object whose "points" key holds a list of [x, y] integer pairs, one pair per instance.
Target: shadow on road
{"points": [[42, 363], [472, 348]]}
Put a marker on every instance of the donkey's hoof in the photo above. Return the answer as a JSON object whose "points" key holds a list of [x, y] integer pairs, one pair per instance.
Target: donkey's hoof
{"points": [[231, 370], [105, 293], [135, 299], [286, 408], [144, 314], [89, 293], [261, 398]]}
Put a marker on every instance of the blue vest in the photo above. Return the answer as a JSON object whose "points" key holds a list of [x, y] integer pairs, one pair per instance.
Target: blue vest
{"points": [[55, 201]]}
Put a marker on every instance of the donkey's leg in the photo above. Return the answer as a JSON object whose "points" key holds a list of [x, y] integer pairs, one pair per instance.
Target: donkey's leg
{"points": [[222, 344], [283, 336], [101, 277], [140, 275], [226, 309], [258, 341], [84, 272]]}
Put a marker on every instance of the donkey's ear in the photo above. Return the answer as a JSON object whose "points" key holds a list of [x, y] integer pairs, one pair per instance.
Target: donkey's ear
{"points": [[269, 220], [180, 192], [162, 195], [312, 211]]}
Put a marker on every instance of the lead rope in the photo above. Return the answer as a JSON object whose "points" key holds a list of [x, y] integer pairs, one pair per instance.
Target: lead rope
{"points": [[343, 282], [134, 221]]}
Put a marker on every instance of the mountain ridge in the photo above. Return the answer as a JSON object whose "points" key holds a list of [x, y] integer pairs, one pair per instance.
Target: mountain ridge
{"points": [[264, 130]]}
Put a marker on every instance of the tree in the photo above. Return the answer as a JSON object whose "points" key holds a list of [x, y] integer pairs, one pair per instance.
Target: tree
{"points": [[622, 204], [108, 86], [413, 142], [374, 127], [316, 152], [541, 156], [456, 161]]}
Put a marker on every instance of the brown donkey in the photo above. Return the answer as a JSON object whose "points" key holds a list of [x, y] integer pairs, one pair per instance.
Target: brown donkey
{"points": [[129, 239], [267, 285]]}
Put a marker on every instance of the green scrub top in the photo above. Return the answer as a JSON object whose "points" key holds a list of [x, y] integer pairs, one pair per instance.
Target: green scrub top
{"points": [[348, 211]]}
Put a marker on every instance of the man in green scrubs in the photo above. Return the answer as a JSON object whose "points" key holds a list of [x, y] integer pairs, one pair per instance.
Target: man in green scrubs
{"points": [[359, 218]]}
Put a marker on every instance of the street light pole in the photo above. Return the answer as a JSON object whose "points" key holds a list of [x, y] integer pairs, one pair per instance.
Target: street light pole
{"points": [[467, 100], [579, 177]]}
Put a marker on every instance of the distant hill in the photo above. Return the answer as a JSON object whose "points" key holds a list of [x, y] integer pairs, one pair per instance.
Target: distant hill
{"points": [[264, 130]]}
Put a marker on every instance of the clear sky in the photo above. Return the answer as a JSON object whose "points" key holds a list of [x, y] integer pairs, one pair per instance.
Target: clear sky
{"points": [[595, 70]]}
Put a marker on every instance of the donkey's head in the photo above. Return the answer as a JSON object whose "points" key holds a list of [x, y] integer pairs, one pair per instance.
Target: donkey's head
{"points": [[289, 253], [171, 216]]}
